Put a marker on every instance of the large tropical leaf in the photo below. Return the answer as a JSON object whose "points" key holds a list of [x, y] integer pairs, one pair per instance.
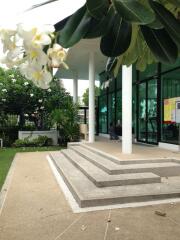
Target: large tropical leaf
{"points": [[75, 28], [173, 2], [161, 45], [98, 8], [98, 28], [117, 39], [171, 24], [138, 53], [134, 11], [145, 56], [131, 55], [60, 25], [156, 24]]}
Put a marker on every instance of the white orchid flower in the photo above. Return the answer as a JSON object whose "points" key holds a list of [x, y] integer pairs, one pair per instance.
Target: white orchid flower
{"points": [[57, 55], [40, 76], [44, 79], [15, 53], [4, 90], [7, 38], [13, 80], [24, 48], [37, 56], [24, 69], [36, 36], [12, 58], [31, 95], [49, 90]]}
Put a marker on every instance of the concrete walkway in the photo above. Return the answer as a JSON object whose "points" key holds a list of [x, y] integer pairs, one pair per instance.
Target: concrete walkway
{"points": [[35, 209]]}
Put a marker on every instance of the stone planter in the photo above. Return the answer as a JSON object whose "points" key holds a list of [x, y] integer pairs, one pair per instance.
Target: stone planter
{"points": [[53, 134]]}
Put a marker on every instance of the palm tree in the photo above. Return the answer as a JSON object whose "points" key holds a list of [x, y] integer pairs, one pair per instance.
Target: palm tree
{"points": [[134, 31]]}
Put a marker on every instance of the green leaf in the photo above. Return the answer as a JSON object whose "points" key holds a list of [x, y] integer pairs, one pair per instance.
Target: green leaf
{"points": [[138, 53], [98, 8], [60, 25], [75, 28], [134, 11], [117, 39], [175, 2], [171, 24], [156, 24], [96, 27], [131, 55], [161, 45]]}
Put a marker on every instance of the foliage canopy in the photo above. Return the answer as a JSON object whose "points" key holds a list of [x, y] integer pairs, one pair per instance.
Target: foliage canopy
{"points": [[137, 31]]}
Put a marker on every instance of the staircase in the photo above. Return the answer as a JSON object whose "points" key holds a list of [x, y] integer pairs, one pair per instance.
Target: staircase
{"points": [[97, 179]]}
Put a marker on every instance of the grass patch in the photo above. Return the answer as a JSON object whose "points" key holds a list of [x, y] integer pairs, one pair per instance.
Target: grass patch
{"points": [[7, 155]]}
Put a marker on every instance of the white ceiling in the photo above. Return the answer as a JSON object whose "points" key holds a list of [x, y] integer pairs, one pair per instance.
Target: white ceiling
{"points": [[78, 60]]}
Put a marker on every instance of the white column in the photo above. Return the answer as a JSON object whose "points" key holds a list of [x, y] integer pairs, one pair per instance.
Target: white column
{"points": [[126, 110], [75, 89], [91, 98]]}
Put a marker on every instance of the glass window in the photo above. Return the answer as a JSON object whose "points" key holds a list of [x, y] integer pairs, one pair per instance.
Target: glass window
{"points": [[149, 72], [103, 114], [111, 108], [134, 109], [170, 89], [152, 111], [119, 113], [103, 79], [119, 79], [142, 113], [169, 67], [111, 84], [134, 76]]}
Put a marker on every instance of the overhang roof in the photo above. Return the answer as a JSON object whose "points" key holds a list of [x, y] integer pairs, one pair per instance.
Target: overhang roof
{"points": [[78, 60]]}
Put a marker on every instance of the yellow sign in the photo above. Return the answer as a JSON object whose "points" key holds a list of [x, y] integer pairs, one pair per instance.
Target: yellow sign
{"points": [[170, 110]]}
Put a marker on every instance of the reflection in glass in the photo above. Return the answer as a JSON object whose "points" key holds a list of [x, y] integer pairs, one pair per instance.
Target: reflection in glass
{"points": [[102, 114]]}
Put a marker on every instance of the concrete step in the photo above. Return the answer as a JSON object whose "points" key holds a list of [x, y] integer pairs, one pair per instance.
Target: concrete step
{"points": [[163, 169], [124, 162], [103, 179], [87, 194]]}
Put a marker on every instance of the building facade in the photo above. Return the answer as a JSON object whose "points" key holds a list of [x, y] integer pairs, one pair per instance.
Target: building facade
{"points": [[150, 88]]}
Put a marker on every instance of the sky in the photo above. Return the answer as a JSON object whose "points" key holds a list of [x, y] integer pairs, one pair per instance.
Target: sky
{"points": [[14, 11]]}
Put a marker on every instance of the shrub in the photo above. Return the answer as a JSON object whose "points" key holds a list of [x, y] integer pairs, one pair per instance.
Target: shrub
{"points": [[36, 142], [67, 123], [9, 135]]}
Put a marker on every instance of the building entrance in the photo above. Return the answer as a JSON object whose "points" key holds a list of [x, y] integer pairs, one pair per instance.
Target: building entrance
{"points": [[147, 121]]}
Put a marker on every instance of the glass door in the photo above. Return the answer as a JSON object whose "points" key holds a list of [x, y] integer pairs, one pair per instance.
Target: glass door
{"points": [[147, 112], [142, 118], [152, 121]]}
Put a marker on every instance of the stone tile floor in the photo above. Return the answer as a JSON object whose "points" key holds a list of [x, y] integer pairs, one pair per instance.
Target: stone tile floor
{"points": [[140, 151], [35, 208]]}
